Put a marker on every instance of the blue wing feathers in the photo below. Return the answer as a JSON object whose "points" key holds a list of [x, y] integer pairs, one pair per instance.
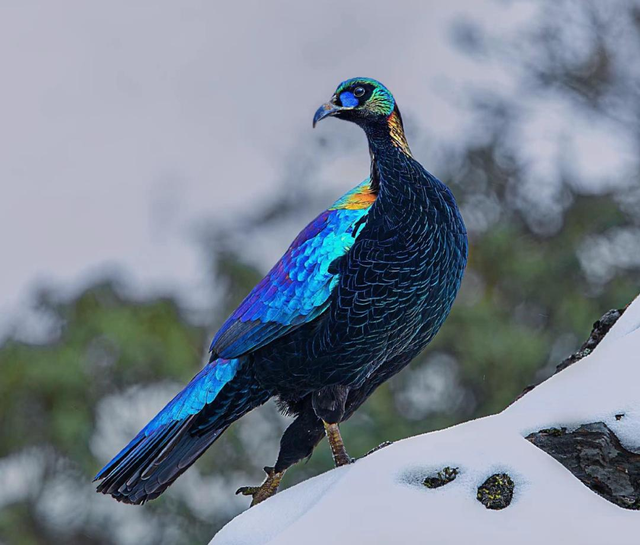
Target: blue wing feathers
{"points": [[298, 288]]}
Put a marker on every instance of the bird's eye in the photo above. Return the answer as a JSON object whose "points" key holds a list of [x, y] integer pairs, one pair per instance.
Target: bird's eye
{"points": [[358, 92]]}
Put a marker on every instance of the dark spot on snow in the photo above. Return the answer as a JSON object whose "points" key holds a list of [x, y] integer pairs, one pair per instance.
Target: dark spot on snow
{"points": [[444, 476], [619, 416], [496, 492]]}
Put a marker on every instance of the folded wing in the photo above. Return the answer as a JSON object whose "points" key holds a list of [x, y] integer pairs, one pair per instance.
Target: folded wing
{"points": [[297, 290]]}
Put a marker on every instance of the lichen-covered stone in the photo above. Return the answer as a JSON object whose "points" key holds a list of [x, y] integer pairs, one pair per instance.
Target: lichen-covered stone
{"points": [[555, 432], [444, 476], [496, 492]]}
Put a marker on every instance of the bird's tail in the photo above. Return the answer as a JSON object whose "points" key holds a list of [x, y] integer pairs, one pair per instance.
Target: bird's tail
{"points": [[217, 396]]}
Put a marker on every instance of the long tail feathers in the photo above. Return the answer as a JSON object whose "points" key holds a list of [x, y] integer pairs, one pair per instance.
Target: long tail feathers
{"points": [[217, 396]]}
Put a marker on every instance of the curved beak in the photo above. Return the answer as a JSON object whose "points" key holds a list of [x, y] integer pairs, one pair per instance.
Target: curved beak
{"points": [[326, 110]]}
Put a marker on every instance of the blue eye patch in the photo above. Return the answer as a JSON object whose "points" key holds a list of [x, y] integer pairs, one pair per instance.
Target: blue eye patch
{"points": [[348, 100]]}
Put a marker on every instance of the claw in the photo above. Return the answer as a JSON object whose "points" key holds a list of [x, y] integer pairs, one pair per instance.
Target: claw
{"points": [[267, 489], [380, 446], [247, 490]]}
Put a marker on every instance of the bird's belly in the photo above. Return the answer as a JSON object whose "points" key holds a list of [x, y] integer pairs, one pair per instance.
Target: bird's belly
{"points": [[387, 307]]}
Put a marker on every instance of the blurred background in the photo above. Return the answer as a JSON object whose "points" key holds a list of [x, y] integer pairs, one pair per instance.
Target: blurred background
{"points": [[156, 158]]}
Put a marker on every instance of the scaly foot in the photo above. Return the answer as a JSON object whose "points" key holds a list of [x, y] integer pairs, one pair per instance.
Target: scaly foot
{"points": [[267, 489], [340, 456]]}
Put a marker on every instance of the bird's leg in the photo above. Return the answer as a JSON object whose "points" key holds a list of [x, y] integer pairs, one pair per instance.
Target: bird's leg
{"points": [[340, 456], [267, 489], [329, 405]]}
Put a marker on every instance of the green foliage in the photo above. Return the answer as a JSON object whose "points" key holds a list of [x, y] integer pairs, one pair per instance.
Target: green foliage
{"points": [[48, 392], [526, 302]]}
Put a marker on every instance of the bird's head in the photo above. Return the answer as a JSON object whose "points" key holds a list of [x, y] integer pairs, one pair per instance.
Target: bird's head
{"points": [[368, 103], [360, 100]]}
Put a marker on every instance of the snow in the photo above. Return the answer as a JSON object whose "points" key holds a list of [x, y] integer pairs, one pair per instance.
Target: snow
{"points": [[381, 499]]}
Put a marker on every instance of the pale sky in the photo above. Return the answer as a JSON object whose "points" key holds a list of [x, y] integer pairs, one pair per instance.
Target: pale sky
{"points": [[125, 124]]}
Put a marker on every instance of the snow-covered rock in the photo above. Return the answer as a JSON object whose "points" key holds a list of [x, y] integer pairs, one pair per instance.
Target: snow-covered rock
{"points": [[381, 498]]}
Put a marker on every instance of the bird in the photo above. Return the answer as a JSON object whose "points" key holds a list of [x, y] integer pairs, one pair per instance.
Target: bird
{"points": [[361, 290]]}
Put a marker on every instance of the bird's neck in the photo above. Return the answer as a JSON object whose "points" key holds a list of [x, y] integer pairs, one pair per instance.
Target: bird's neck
{"points": [[387, 142], [386, 136]]}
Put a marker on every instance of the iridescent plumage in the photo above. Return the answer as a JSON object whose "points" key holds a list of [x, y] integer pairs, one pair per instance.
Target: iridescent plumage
{"points": [[361, 290], [202, 390], [297, 289]]}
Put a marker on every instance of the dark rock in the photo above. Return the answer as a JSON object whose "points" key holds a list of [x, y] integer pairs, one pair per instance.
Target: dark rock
{"points": [[594, 454], [444, 476], [496, 492], [600, 329]]}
